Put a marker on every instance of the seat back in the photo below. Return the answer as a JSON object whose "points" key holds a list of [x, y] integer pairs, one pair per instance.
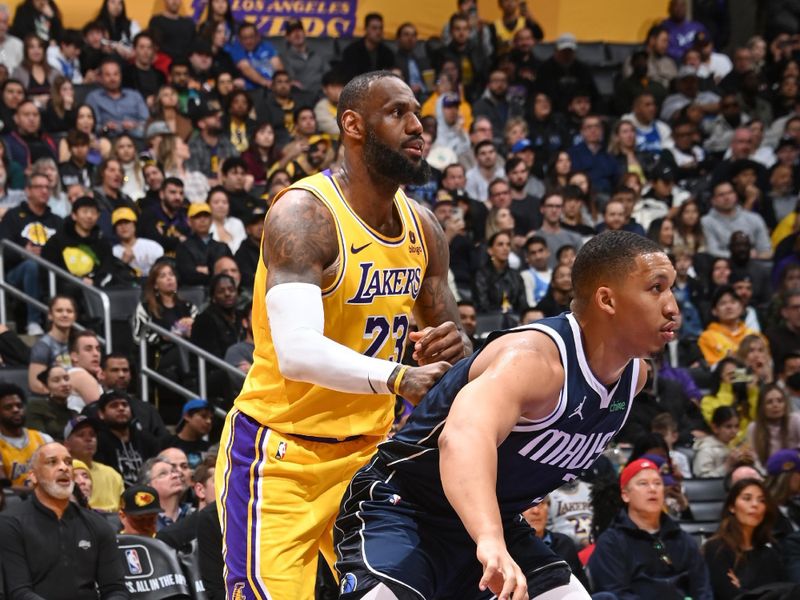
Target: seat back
{"points": [[706, 511], [704, 490]]}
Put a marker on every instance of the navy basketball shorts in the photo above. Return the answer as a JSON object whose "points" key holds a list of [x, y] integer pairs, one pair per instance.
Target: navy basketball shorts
{"points": [[382, 536]]}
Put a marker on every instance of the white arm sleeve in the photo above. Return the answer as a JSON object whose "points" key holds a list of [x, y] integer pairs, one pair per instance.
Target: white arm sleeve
{"points": [[297, 321]]}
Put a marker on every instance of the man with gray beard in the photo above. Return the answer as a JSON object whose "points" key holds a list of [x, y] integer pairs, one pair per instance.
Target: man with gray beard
{"points": [[51, 547]]}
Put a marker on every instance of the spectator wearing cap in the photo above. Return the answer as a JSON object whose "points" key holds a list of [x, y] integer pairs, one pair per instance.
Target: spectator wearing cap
{"points": [[208, 147], [680, 29], [687, 91], [80, 247], [120, 444], [166, 222], [138, 253], [30, 226], [727, 217], [140, 75], [195, 257], [175, 32], [562, 75], [247, 255], [591, 156], [661, 197], [644, 553], [304, 65], [51, 547], [166, 479], [450, 130], [495, 104], [487, 168], [783, 483], [201, 61], [191, 433], [139, 510], [117, 109], [369, 53], [80, 438], [255, 57]]}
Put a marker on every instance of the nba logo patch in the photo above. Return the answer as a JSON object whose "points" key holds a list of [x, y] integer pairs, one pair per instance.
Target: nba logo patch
{"points": [[349, 583], [134, 564], [281, 451]]}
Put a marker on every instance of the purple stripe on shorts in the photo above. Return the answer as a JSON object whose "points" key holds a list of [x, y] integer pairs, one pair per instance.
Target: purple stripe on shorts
{"points": [[255, 566]]}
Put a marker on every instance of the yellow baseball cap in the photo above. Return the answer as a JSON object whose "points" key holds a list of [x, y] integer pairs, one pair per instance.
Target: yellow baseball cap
{"points": [[123, 214], [198, 208]]}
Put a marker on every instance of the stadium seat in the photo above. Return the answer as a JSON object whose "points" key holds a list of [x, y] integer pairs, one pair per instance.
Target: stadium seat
{"points": [[704, 490], [618, 53], [196, 294], [705, 528], [591, 53], [16, 375], [544, 50], [604, 78], [706, 511], [486, 324]]}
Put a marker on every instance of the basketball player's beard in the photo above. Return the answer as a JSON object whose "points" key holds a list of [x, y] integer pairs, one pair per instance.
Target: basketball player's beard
{"points": [[393, 165]]}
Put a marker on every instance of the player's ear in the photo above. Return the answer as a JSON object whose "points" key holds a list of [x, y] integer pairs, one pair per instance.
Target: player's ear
{"points": [[353, 124], [605, 301]]}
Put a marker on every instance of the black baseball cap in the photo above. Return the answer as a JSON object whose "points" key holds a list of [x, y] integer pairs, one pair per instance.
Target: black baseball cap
{"points": [[76, 423], [257, 214], [140, 500]]}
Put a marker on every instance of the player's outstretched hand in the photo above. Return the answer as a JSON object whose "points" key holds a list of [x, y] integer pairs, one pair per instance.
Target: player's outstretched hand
{"points": [[418, 380], [500, 573], [443, 342]]}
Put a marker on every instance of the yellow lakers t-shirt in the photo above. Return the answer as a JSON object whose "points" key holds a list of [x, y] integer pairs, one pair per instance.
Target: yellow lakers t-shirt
{"points": [[367, 308]]}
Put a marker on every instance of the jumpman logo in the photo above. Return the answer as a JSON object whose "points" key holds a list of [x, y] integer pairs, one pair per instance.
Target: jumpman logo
{"points": [[578, 411]]}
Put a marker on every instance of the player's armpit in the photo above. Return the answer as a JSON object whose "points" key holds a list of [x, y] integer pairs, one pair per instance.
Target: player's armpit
{"points": [[299, 239]]}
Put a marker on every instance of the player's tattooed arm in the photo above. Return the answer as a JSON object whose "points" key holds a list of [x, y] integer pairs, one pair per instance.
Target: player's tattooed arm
{"points": [[299, 240], [441, 336]]}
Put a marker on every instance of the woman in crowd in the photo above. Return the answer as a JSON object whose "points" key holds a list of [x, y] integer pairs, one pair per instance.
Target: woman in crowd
{"points": [[224, 228], [51, 414], [731, 385], [558, 170], [237, 123], [121, 29], [14, 175], [34, 73], [85, 121], [688, 229], [218, 12], [713, 456], [783, 484], [559, 293], [662, 232], [498, 287], [223, 86], [219, 326], [516, 130], [622, 146], [124, 151], [39, 16], [788, 278], [53, 347], [166, 109], [162, 305], [173, 153], [262, 153], [754, 353], [775, 426], [59, 115], [723, 336], [741, 555], [589, 209]]}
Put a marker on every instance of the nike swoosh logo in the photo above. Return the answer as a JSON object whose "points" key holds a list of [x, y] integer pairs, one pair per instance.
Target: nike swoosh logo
{"points": [[355, 250]]}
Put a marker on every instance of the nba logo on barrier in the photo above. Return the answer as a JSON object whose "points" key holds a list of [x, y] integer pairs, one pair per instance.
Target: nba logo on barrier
{"points": [[349, 583], [134, 564], [281, 451]]}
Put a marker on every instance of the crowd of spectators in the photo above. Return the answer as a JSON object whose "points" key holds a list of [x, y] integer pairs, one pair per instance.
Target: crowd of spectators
{"points": [[145, 159]]}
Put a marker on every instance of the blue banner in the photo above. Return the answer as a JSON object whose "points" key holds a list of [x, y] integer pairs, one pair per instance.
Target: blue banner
{"points": [[321, 18]]}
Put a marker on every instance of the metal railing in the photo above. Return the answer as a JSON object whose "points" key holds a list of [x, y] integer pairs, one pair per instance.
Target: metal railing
{"points": [[146, 373], [52, 272]]}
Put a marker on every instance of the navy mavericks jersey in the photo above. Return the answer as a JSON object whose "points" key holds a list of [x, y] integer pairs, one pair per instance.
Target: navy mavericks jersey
{"points": [[538, 456]]}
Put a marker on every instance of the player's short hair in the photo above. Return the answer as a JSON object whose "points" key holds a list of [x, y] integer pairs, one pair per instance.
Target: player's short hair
{"points": [[357, 90], [610, 255]]}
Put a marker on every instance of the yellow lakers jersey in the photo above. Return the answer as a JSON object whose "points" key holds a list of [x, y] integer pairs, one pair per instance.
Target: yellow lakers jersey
{"points": [[15, 460], [367, 309]]}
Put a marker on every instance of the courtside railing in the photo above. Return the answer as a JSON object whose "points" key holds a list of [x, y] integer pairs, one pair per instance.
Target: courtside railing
{"points": [[146, 373], [53, 272]]}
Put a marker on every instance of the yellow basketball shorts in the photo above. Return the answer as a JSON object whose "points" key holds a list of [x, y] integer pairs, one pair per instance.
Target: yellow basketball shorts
{"points": [[279, 496]]}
